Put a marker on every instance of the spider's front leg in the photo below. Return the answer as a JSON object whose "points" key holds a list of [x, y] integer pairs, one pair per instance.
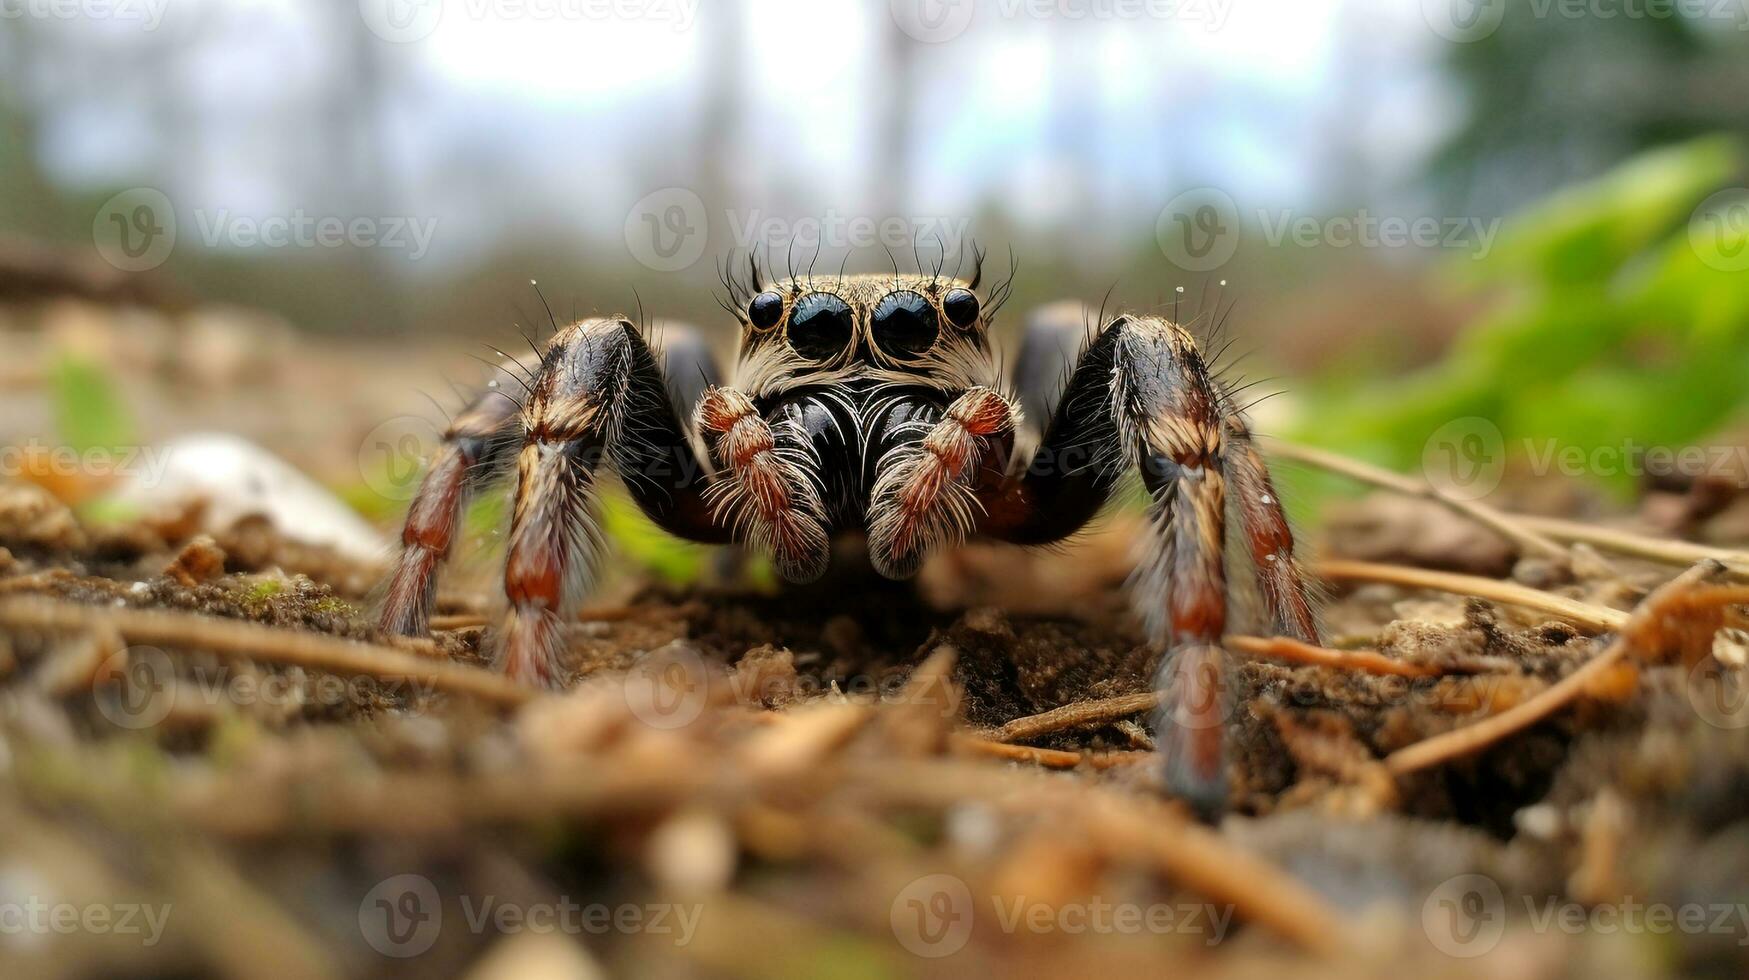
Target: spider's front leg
{"points": [[599, 393], [1141, 395]]}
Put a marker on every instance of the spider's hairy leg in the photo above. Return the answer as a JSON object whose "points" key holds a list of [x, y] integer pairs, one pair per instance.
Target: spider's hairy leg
{"points": [[1267, 535], [1141, 395], [1170, 418], [771, 492], [924, 494], [478, 446], [599, 393]]}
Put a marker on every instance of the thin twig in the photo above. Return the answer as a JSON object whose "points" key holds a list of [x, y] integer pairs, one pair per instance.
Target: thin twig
{"points": [[1295, 651], [256, 642], [1583, 613], [1049, 758], [1666, 550], [1076, 715], [1507, 525], [1473, 738]]}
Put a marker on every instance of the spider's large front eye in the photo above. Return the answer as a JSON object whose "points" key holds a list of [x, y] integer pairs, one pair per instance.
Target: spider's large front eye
{"points": [[820, 326], [961, 307], [765, 310], [905, 324]]}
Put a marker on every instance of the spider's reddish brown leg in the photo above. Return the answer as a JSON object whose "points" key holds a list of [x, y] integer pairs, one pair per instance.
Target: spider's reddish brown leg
{"points": [[599, 392], [477, 447], [1141, 395], [1267, 535]]}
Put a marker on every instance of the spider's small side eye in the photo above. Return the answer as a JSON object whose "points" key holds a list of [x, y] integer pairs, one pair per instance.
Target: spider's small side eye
{"points": [[765, 310], [961, 307]]}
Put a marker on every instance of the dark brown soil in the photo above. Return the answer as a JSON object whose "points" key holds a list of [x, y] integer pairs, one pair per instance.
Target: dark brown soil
{"points": [[820, 780]]}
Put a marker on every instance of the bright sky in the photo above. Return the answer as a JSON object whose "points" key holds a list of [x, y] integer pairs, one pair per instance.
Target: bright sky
{"points": [[572, 114]]}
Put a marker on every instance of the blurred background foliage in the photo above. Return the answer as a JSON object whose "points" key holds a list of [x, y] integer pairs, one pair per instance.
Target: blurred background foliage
{"points": [[1598, 316], [1615, 313]]}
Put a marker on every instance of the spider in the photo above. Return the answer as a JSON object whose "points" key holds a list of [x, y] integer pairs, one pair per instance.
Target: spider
{"points": [[873, 403]]}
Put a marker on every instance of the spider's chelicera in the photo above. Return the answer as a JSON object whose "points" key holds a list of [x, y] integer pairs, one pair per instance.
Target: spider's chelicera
{"points": [[872, 404]]}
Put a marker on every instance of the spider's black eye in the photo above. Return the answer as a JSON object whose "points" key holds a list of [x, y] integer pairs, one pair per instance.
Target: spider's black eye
{"points": [[961, 307], [820, 326], [904, 324], [765, 310]]}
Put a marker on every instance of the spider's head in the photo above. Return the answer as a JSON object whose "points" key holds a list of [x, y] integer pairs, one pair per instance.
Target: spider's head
{"points": [[918, 327]]}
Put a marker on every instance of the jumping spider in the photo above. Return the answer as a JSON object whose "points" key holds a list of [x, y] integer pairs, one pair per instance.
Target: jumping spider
{"points": [[872, 403]]}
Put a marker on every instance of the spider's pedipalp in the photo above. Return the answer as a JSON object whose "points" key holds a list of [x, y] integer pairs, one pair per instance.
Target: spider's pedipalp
{"points": [[923, 496], [770, 494]]}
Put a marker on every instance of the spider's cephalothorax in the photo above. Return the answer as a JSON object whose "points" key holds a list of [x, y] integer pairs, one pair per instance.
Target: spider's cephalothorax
{"points": [[871, 404]]}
